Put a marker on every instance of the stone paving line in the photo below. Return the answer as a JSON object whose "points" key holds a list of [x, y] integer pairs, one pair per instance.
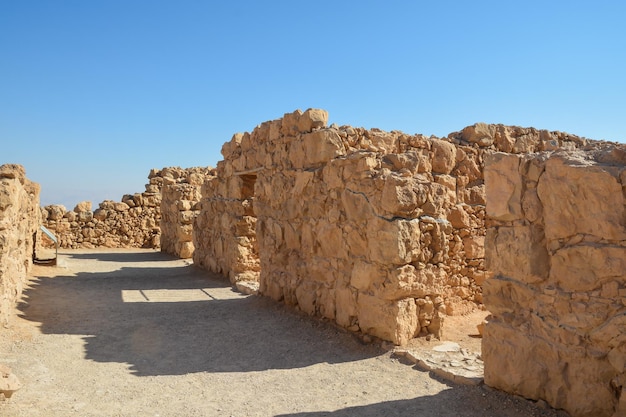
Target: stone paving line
{"points": [[447, 360]]}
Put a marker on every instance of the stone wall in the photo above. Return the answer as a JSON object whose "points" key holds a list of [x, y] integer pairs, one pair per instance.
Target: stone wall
{"points": [[179, 208], [556, 246], [382, 232], [132, 222], [224, 232], [19, 225]]}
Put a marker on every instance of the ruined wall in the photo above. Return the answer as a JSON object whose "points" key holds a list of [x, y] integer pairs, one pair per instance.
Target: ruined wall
{"points": [[382, 232], [224, 232], [556, 245], [132, 222], [180, 197], [19, 223]]}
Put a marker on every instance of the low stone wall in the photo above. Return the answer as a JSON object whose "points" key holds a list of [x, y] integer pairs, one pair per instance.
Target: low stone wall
{"points": [[19, 225], [382, 232], [556, 246], [179, 208], [132, 222]]}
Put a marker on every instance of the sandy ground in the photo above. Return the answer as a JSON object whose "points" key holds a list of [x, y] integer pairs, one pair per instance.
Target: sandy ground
{"points": [[139, 333]]}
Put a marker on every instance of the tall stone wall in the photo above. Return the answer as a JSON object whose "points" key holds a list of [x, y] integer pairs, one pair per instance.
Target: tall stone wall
{"points": [[19, 225], [556, 246], [382, 232], [132, 222], [179, 208], [224, 232]]}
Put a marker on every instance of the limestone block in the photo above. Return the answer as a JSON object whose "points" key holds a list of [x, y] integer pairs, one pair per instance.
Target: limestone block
{"points": [[229, 149], [395, 321], [305, 294], [504, 296], [474, 247], [588, 267], [9, 382], [82, 207], [346, 306], [396, 242], [121, 206], [13, 171], [503, 184], [562, 376], [408, 281], [56, 212], [355, 205], [517, 252], [459, 218], [185, 250], [312, 119], [481, 133], [365, 275], [401, 196], [407, 160], [444, 156], [321, 146], [581, 198], [531, 205]]}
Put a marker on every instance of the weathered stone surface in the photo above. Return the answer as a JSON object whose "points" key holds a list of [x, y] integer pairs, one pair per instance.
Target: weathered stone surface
{"points": [[133, 222], [329, 219], [19, 222], [504, 187], [9, 382], [180, 199], [580, 197], [558, 326], [395, 321]]}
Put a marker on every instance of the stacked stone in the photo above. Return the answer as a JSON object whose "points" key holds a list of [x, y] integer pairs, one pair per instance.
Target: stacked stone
{"points": [[19, 225], [179, 208], [382, 232], [132, 222], [557, 251], [225, 230]]}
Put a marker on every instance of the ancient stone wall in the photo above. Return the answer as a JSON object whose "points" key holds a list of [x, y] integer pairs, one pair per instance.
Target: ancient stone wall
{"points": [[382, 232], [132, 222], [19, 225], [224, 232], [179, 208], [556, 246]]}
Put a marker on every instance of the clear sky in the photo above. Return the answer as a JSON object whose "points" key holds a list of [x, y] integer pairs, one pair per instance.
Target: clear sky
{"points": [[93, 94]]}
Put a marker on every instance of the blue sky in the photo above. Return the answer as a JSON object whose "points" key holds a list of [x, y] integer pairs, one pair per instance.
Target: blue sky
{"points": [[93, 94]]}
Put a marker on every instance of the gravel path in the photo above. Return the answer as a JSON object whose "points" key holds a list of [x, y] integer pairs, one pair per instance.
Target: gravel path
{"points": [[139, 333]]}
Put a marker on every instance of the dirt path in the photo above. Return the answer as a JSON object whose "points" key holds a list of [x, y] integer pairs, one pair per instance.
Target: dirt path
{"points": [[139, 333]]}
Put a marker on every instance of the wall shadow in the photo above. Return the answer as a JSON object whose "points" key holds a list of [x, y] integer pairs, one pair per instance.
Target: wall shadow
{"points": [[225, 332], [132, 256], [462, 401]]}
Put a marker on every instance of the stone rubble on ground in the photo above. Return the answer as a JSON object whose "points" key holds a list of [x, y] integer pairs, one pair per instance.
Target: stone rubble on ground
{"points": [[448, 361]]}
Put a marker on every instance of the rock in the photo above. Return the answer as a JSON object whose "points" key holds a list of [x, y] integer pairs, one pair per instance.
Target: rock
{"points": [[482, 134], [444, 156], [83, 206], [20, 217], [9, 383]]}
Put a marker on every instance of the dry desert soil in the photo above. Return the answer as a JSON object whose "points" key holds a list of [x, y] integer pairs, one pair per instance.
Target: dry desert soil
{"points": [[141, 333]]}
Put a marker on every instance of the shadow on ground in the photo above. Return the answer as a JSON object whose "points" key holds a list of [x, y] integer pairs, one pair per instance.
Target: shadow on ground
{"points": [[224, 331], [462, 401]]}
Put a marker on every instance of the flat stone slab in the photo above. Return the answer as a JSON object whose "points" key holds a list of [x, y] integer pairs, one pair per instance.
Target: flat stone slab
{"points": [[448, 361]]}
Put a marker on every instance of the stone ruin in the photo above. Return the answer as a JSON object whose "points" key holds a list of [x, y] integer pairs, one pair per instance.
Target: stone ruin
{"points": [[382, 232], [19, 226], [180, 205], [133, 222], [556, 252], [385, 233]]}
